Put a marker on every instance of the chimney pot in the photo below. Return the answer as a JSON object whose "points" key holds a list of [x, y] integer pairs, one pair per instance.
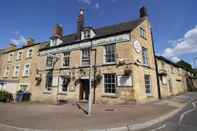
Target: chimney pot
{"points": [[143, 12], [58, 31]]}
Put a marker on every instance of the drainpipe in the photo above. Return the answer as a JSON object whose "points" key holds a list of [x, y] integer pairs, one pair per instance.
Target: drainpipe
{"points": [[156, 66]]}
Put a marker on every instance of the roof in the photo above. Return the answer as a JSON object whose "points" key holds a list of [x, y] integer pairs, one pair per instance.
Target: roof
{"points": [[8, 50], [167, 61], [102, 32]]}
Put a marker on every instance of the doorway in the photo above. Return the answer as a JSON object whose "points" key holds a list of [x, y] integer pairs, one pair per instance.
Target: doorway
{"points": [[84, 89]]}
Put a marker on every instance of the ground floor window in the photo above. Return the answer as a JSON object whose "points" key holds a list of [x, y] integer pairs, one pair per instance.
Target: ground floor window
{"points": [[64, 82], [110, 83], [148, 85], [49, 80], [23, 87]]}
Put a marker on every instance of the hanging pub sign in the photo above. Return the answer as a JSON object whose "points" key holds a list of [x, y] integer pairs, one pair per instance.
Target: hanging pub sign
{"points": [[124, 81]]}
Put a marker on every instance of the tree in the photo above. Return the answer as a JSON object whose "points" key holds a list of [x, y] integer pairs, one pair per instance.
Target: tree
{"points": [[183, 64]]}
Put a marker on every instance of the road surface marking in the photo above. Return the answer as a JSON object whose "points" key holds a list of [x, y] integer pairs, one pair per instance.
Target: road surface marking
{"points": [[159, 128], [187, 112]]}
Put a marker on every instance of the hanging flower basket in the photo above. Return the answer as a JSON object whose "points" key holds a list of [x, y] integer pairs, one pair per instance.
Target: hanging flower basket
{"points": [[98, 79], [127, 72]]}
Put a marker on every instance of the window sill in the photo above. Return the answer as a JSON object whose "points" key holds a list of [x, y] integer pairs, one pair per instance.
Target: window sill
{"points": [[110, 95], [62, 93], [28, 58], [108, 64], [47, 92], [25, 76]]}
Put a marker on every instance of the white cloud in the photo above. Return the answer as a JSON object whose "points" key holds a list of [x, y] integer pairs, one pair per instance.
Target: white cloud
{"points": [[182, 46], [85, 1], [20, 40], [97, 5]]}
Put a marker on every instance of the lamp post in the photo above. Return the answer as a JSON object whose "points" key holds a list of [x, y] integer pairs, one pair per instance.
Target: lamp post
{"points": [[90, 83]]}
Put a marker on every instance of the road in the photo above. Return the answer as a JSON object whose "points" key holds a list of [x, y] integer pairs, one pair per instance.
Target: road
{"points": [[186, 120]]}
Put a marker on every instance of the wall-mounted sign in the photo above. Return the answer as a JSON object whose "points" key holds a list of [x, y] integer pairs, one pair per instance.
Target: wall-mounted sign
{"points": [[124, 81], [98, 42], [55, 81], [137, 46]]}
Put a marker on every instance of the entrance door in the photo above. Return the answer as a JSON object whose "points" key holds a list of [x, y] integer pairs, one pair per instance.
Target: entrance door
{"points": [[84, 89], [170, 85]]}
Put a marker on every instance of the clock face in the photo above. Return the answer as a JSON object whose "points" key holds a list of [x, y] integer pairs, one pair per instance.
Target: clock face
{"points": [[137, 46]]}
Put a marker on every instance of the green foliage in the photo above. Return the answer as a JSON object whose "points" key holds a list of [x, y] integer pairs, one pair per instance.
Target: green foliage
{"points": [[5, 96], [185, 65]]}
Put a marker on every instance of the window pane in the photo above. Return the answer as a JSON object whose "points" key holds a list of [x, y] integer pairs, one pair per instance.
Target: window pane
{"points": [[110, 85]]}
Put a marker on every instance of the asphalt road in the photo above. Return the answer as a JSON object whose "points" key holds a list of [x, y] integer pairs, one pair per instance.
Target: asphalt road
{"points": [[186, 120]]}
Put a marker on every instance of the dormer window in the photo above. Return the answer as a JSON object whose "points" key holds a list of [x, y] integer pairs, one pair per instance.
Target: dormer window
{"points": [[87, 33], [55, 42]]}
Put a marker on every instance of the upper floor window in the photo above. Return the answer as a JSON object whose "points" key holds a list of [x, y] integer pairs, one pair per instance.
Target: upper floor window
{"points": [[110, 53], [142, 33], [87, 34], [19, 55], [66, 59], [145, 56], [162, 65], [10, 57], [49, 61], [29, 53], [26, 70], [85, 58], [16, 71], [110, 83], [172, 69], [6, 73]]}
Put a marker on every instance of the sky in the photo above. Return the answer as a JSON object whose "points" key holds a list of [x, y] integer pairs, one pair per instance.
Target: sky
{"points": [[174, 22]]}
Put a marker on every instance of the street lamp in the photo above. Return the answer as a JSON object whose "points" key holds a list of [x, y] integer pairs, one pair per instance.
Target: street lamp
{"points": [[90, 84]]}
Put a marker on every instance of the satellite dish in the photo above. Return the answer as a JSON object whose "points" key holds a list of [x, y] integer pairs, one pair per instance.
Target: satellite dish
{"points": [[137, 46]]}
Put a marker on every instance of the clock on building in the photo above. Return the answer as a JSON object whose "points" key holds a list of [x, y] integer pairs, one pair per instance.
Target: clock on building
{"points": [[137, 46]]}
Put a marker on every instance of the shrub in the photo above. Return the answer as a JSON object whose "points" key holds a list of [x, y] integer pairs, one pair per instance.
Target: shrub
{"points": [[5, 96]]}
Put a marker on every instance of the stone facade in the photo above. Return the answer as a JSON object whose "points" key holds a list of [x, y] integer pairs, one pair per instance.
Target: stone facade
{"points": [[172, 78], [122, 68]]}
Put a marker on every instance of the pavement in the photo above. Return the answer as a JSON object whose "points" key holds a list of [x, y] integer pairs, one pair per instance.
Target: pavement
{"points": [[185, 120], [42, 117]]}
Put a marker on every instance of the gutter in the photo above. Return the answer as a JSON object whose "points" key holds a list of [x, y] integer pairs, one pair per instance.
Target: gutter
{"points": [[156, 66]]}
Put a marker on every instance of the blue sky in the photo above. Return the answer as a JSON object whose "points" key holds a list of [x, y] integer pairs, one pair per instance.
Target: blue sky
{"points": [[174, 22]]}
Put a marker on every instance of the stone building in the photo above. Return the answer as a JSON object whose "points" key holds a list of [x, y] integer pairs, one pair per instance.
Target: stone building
{"points": [[117, 61], [19, 67], [173, 79]]}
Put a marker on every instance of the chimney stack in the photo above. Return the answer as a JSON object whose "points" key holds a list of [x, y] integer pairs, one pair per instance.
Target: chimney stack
{"points": [[143, 12], [12, 47], [80, 21], [58, 31], [29, 41]]}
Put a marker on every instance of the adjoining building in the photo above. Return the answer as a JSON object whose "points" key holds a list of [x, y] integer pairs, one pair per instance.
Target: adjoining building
{"points": [[19, 67], [173, 79], [118, 60]]}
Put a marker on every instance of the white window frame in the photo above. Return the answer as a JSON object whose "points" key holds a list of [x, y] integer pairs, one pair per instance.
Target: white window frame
{"points": [[142, 32], [28, 53], [6, 72], [49, 66], [16, 71], [106, 93], [81, 57], [19, 55], [150, 84], [10, 56], [24, 71], [66, 55], [104, 54], [145, 57]]}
